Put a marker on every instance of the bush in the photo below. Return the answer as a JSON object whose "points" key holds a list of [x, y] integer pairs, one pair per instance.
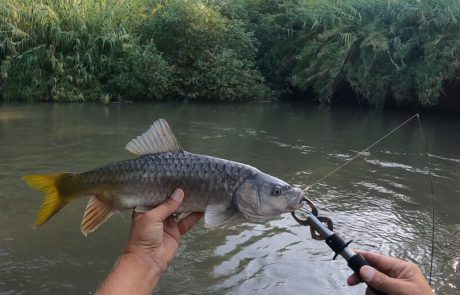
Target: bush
{"points": [[404, 50], [212, 57], [141, 73], [223, 76], [60, 51]]}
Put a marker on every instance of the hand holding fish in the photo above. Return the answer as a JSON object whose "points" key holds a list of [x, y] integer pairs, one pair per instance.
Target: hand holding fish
{"points": [[156, 235], [152, 244], [391, 275]]}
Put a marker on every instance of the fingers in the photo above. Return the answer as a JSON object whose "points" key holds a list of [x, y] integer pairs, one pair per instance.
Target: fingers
{"points": [[188, 222], [353, 280], [169, 207], [381, 262], [379, 281]]}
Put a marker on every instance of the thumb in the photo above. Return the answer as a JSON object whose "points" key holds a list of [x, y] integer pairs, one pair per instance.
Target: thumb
{"points": [[169, 207], [379, 281]]}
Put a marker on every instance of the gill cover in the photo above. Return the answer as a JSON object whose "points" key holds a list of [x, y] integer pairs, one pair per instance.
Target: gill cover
{"points": [[248, 199], [262, 196]]}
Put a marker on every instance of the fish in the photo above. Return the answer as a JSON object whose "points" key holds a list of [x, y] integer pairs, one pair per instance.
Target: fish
{"points": [[222, 189]]}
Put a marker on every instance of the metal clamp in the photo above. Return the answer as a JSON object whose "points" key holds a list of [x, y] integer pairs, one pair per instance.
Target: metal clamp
{"points": [[307, 222]]}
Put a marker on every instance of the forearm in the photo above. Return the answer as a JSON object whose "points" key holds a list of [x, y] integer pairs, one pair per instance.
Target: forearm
{"points": [[131, 274]]}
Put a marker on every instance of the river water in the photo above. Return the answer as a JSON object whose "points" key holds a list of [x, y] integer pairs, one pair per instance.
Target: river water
{"points": [[382, 200]]}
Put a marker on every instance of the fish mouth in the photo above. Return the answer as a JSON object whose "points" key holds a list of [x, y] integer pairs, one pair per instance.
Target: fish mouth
{"points": [[295, 201]]}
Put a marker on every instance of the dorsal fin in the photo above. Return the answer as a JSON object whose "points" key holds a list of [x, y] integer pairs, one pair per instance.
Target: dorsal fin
{"points": [[156, 140]]}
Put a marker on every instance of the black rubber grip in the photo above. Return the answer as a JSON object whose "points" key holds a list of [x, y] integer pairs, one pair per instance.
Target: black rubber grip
{"points": [[355, 263], [336, 244]]}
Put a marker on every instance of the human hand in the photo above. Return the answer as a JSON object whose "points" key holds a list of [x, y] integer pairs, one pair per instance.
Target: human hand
{"points": [[155, 235], [391, 275]]}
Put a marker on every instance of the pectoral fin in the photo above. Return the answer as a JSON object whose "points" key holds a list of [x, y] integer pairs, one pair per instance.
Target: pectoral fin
{"points": [[218, 214], [179, 216], [96, 213], [143, 208]]}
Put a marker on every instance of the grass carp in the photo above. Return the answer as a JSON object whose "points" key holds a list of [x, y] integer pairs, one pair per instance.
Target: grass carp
{"points": [[220, 188]]}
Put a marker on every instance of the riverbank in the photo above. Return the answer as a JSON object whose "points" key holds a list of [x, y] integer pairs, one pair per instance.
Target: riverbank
{"points": [[376, 53]]}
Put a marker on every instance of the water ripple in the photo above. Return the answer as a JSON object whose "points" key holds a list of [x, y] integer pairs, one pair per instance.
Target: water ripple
{"points": [[304, 149], [385, 164]]}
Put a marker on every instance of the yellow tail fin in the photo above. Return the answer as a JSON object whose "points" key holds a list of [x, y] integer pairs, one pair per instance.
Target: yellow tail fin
{"points": [[52, 202]]}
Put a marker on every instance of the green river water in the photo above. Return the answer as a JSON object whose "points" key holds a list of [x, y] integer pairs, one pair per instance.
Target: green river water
{"points": [[382, 200]]}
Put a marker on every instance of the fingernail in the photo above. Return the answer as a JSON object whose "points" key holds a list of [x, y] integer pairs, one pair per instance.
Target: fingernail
{"points": [[367, 273], [177, 196]]}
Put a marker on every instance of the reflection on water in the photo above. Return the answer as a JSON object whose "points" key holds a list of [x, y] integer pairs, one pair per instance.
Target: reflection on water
{"points": [[382, 200]]}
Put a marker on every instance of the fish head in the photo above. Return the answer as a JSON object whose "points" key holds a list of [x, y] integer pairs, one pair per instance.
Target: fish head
{"points": [[262, 196]]}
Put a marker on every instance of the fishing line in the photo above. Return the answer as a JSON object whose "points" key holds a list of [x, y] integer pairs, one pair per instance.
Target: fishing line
{"points": [[429, 173], [363, 151]]}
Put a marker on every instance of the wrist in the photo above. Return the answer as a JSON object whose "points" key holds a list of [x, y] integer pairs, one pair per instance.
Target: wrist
{"points": [[145, 256], [131, 272], [144, 264]]}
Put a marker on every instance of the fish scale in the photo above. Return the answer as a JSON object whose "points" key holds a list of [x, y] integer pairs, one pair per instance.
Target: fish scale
{"points": [[150, 179]]}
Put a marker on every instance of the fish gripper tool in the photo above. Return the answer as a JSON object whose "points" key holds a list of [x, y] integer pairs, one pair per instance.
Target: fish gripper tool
{"points": [[315, 234], [321, 228]]}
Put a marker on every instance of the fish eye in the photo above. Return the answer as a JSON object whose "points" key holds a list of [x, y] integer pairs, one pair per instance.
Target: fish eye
{"points": [[276, 191]]}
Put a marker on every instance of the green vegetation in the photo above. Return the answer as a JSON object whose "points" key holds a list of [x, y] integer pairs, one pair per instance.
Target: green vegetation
{"points": [[404, 52], [382, 49]]}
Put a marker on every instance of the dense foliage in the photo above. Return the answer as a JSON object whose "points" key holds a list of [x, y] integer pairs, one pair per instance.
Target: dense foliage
{"points": [[404, 51], [69, 50], [398, 50]]}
